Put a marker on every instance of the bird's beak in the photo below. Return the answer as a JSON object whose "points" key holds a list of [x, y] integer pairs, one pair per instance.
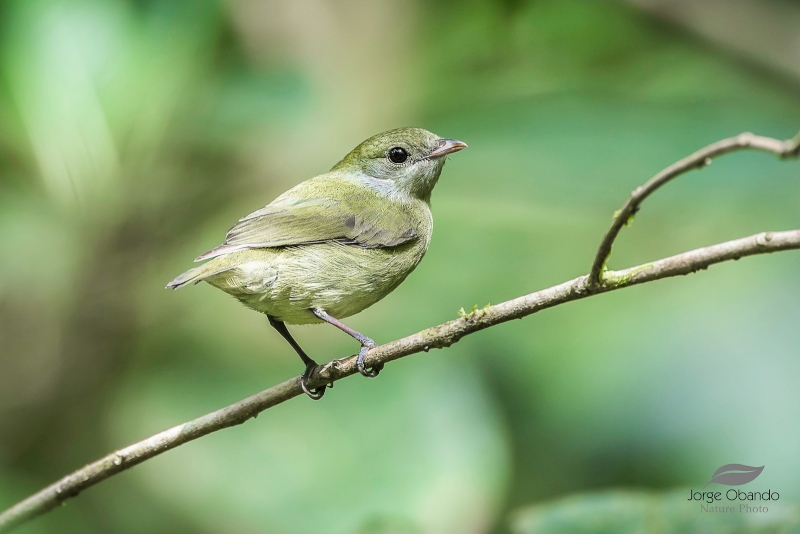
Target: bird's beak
{"points": [[447, 146]]}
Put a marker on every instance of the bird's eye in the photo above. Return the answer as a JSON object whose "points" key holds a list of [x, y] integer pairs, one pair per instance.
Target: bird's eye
{"points": [[398, 154]]}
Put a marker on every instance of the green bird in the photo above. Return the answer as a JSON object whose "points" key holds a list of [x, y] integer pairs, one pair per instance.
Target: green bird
{"points": [[336, 244]]}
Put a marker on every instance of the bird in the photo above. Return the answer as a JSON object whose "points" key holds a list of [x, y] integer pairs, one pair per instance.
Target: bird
{"points": [[336, 244]]}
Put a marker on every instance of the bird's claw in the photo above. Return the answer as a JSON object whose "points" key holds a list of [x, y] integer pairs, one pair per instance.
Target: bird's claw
{"points": [[314, 394], [373, 371]]}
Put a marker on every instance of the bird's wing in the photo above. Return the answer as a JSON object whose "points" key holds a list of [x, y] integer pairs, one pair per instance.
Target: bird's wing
{"points": [[348, 213]]}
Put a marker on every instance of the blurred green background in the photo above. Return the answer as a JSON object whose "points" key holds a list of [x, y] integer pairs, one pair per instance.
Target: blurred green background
{"points": [[133, 134]]}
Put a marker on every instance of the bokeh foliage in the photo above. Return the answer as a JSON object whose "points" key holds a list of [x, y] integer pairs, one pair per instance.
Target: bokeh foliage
{"points": [[134, 133]]}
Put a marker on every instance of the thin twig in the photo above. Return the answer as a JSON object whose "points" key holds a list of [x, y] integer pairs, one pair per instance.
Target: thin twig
{"points": [[440, 336], [698, 160]]}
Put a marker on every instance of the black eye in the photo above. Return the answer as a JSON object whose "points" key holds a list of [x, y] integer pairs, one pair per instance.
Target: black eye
{"points": [[398, 155]]}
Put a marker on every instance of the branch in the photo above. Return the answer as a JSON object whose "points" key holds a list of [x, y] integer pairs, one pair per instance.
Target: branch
{"points": [[444, 335], [698, 160]]}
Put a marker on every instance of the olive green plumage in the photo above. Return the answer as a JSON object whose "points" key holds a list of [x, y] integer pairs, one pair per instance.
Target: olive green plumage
{"points": [[338, 242]]}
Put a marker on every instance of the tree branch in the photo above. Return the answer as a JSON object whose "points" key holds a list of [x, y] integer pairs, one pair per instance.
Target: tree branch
{"points": [[698, 160], [596, 282]]}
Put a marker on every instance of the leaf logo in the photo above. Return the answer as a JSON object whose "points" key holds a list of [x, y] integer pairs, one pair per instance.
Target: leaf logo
{"points": [[735, 475]]}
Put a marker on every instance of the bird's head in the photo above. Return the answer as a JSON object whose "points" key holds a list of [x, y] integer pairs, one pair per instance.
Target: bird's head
{"points": [[405, 160]]}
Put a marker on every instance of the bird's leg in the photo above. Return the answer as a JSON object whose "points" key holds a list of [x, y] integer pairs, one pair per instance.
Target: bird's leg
{"points": [[366, 343], [280, 326]]}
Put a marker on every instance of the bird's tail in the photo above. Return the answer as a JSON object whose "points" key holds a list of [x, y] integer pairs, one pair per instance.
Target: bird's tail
{"points": [[196, 275]]}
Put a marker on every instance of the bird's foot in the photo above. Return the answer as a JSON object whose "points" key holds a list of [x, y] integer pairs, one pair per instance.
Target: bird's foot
{"points": [[315, 394], [373, 371]]}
